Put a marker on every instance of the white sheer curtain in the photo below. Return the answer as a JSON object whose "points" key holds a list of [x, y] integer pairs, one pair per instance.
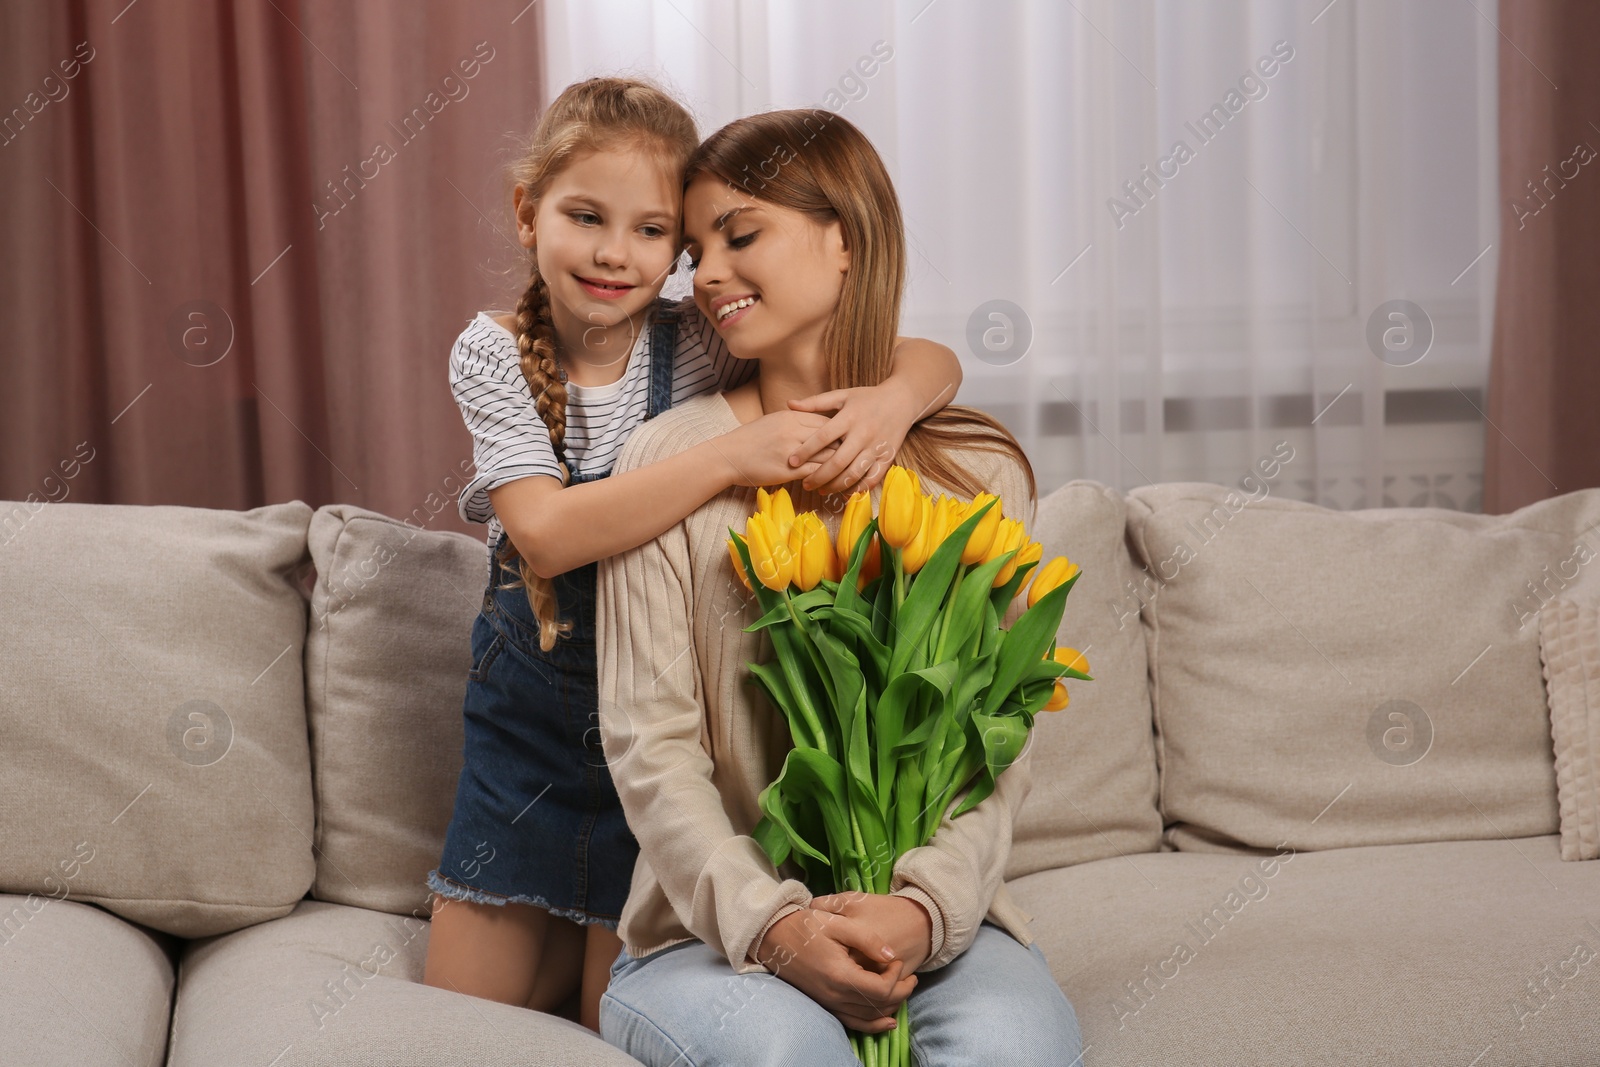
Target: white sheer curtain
{"points": [[1190, 321]]}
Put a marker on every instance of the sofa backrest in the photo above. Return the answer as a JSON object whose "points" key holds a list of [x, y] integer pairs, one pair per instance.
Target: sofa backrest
{"points": [[152, 713], [1326, 679]]}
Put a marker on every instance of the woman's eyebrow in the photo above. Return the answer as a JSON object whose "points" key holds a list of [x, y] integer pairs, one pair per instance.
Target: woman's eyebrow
{"points": [[720, 222]]}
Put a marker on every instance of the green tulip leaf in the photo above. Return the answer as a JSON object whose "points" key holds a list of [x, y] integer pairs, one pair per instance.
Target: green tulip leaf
{"points": [[1025, 644], [858, 626], [966, 612]]}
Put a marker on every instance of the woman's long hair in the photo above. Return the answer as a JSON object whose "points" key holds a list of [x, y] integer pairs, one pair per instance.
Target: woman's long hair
{"points": [[600, 113], [819, 164]]}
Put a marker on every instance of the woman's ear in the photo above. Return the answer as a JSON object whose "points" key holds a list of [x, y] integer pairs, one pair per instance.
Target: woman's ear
{"points": [[838, 247]]}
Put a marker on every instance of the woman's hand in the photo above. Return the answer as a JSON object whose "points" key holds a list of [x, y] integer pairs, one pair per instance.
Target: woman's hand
{"points": [[871, 422], [759, 451], [901, 921], [840, 963]]}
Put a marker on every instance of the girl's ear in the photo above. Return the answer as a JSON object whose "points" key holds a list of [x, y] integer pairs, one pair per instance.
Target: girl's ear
{"points": [[524, 214]]}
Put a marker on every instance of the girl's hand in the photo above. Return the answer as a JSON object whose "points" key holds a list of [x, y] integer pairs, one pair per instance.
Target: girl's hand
{"points": [[759, 451], [871, 422], [903, 922], [838, 962]]}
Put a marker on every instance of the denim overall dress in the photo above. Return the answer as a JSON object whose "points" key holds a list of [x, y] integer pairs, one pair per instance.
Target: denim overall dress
{"points": [[537, 819]]}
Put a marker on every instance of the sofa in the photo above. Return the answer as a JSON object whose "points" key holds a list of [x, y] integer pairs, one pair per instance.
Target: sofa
{"points": [[1329, 799]]}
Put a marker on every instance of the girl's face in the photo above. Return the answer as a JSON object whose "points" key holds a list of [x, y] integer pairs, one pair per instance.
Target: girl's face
{"points": [[767, 276], [606, 236]]}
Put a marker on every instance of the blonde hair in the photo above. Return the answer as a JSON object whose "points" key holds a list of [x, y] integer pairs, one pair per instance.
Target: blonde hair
{"points": [[599, 113], [814, 162]]}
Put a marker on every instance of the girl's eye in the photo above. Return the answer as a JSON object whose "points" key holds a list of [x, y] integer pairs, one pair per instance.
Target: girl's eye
{"points": [[586, 218], [654, 231]]}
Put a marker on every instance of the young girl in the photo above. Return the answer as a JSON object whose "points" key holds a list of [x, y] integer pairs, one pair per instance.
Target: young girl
{"points": [[726, 959], [538, 856]]}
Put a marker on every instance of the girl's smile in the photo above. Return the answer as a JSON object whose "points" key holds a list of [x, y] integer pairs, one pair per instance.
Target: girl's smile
{"points": [[604, 290]]}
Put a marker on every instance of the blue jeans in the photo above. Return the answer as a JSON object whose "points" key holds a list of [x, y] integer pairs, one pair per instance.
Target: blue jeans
{"points": [[684, 1006]]}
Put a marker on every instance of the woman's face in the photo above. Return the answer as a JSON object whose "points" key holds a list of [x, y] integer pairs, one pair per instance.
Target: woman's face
{"points": [[768, 277]]}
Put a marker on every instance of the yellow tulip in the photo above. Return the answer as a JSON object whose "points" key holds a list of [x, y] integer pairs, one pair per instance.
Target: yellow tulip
{"points": [[983, 534], [808, 541], [899, 517], [769, 552], [1011, 535], [1068, 657], [781, 509], [1049, 576], [1073, 659], [1030, 552], [948, 513], [738, 564], [857, 514], [915, 554]]}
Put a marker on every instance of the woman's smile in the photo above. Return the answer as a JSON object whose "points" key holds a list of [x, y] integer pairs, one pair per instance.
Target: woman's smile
{"points": [[732, 308]]}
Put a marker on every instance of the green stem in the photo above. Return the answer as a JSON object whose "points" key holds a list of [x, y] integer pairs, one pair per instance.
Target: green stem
{"points": [[944, 620], [802, 693], [899, 579], [868, 884]]}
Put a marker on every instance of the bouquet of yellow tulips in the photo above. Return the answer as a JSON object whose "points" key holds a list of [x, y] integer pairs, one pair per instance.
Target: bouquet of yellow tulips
{"points": [[899, 684]]}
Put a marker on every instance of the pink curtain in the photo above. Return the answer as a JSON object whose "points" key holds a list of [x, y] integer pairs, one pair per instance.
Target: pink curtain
{"points": [[1544, 377], [239, 239]]}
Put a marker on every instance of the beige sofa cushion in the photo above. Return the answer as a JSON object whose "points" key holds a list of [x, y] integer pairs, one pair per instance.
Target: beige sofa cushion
{"points": [[335, 986], [1333, 678], [1094, 770], [1447, 954], [153, 712], [1569, 639], [81, 986], [387, 655]]}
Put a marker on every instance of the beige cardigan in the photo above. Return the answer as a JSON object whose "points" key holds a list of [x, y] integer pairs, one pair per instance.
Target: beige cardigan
{"points": [[691, 741]]}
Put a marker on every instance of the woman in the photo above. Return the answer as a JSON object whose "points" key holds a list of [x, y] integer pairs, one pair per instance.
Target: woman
{"points": [[799, 253]]}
